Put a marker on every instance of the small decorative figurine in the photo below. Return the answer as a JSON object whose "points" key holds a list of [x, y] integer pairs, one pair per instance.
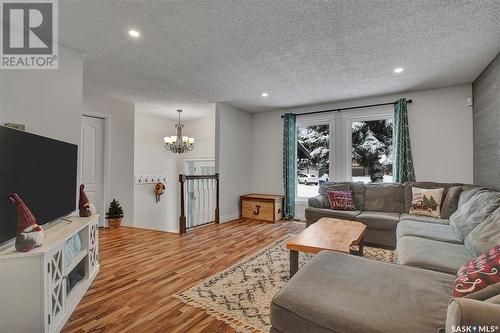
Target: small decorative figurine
{"points": [[29, 234], [85, 206], [159, 190]]}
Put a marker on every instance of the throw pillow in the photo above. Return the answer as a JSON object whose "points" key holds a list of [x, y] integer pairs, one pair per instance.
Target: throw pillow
{"points": [[473, 212], [341, 200], [332, 186], [426, 202], [467, 194], [450, 201], [478, 273], [485, 235]]}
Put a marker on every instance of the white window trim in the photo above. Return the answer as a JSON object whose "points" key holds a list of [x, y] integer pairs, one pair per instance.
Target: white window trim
{"points": [[348, 119]]}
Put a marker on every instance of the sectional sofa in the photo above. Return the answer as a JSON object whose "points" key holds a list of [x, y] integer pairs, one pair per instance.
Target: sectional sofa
{"points": [[343, 293], [381, 206]]}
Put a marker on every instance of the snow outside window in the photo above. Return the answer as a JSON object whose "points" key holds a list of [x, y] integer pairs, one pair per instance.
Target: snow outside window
{"points": [[313, 158], [350, 146], [372, 151]]}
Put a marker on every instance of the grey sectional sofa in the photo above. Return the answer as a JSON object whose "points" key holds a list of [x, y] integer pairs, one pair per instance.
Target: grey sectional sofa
{"points": [[381, 206], [343, 293]]}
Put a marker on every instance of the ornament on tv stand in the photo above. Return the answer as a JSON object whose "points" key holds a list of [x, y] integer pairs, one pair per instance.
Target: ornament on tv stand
{"points": [[29, 234], [85, 206]]}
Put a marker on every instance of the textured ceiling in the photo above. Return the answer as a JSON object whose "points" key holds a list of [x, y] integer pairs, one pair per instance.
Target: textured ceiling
{"points": [[300, 52], [169, 109]]}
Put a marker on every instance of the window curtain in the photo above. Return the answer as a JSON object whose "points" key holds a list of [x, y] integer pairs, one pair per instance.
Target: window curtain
{"points": [[289, 163], [403, 163]]}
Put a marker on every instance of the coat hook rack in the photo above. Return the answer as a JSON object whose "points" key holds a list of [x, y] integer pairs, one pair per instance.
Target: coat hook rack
{"points": [[150, 179]]}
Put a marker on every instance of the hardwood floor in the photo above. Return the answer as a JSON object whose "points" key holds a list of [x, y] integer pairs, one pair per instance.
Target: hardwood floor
{"points": [[141, 269]]}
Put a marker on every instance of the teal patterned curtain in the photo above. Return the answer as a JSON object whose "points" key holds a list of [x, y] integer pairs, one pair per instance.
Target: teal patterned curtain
{"points": [[403, 163], [289, 163]]}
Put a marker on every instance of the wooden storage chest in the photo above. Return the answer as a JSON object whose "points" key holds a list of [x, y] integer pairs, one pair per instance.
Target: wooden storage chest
{"points": [[264, 207]]}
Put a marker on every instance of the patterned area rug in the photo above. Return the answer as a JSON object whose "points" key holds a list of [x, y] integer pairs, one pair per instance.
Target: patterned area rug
{"points": [[241, 295]]}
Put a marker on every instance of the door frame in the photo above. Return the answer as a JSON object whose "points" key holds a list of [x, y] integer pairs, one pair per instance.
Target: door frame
{"points": [[107, 135], [194, 159]]}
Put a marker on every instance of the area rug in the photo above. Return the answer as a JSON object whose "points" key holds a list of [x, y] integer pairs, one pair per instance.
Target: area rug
{"points": [[241, 295]]}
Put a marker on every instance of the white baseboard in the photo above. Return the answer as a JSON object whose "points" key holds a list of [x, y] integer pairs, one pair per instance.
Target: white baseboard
{"points": [[229, 217]]}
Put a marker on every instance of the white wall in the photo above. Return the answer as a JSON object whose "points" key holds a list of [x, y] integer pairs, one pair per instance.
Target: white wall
{"points": [[203, 131], [121, 150], [440, 130], [51, 103], [152, 159], [48, 102], [233, 157]]}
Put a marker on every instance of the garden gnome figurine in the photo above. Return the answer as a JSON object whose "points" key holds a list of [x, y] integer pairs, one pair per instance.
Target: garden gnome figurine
{"points": [[85, 207], [29, 234]]}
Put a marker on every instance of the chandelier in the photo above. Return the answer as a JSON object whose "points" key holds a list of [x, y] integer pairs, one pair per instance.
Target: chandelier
{"points": [[179, 144]]}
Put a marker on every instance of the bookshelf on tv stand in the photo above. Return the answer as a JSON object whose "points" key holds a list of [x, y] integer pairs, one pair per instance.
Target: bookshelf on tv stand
{"points": [[34, 295]]}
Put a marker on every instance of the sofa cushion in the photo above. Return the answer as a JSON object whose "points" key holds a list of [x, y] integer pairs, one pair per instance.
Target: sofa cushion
{"points": [[317, 213], [439, 232], [429, 185], [426, 202], [473, 212], [468, 313], [379, 220], [478, 273], [384, 197], [425, 219], [358, 194], [357, 188], [495, 299], [450, 201], [430, 254], [326, 187], [337, 292], [467, 193], [485, 235], [316, 201]]}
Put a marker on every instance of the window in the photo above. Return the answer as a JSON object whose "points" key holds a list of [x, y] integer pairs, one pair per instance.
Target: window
{"points": [[371, 154], [313, 158], [347, 146]]}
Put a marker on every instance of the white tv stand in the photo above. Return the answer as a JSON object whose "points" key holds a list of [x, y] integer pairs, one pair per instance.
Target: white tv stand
{"points": [[34, 293]]}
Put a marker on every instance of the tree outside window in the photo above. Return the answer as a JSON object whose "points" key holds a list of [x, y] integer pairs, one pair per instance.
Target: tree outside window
{"points": [[313, 154], [372, 151]]}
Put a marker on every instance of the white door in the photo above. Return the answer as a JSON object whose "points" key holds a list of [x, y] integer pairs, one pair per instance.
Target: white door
{"points": [[92, 162]]}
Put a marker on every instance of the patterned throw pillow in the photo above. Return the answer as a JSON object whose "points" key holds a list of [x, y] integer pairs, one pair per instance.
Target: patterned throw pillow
{"points": [[341, 200], [426, 202], [478, 273]]}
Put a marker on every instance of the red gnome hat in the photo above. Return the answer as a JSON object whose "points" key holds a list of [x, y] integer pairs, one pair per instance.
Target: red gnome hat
{"points": [[83, 198], [24, 216]]}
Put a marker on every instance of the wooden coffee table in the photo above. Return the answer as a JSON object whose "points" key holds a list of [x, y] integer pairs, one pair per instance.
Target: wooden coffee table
{"points": [[327, 234]]}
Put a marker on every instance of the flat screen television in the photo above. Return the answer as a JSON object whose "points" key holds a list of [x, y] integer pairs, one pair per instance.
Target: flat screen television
{"points": [[42, 171]]}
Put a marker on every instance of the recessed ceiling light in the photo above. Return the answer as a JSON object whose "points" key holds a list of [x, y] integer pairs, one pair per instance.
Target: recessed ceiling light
{"points": [[398, 70], [264, 94], [134, 33]]}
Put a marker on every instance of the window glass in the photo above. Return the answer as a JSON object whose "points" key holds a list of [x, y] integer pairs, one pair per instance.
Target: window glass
{"points": [[313, 155], [372, 151]]}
